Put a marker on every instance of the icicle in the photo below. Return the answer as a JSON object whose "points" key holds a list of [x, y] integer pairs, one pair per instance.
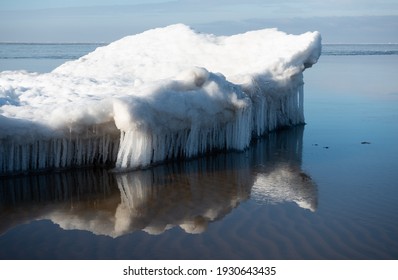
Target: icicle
{"points": [[301, 103], [140, 149], [21, 155], [136, 148]]}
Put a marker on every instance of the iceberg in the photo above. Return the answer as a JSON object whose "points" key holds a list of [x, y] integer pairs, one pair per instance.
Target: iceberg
{"points": [[163, 94]]}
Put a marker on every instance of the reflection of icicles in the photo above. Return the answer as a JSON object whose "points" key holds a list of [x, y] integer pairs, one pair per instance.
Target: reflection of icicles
{"points": [[191, 197], [133, 201], [189, 194], [70, 199]]}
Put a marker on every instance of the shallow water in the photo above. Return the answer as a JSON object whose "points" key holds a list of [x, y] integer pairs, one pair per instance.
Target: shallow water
{"points": [[324, 191]]}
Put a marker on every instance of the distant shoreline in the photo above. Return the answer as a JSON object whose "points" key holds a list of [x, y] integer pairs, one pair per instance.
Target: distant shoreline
{"points": [[106, 43]]}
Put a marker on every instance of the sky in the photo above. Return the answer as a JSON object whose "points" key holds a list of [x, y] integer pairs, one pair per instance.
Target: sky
{"points": [[339, 21]]}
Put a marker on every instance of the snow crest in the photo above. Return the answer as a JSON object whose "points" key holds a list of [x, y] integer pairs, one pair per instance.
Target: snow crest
{"points": [[163, 94]]}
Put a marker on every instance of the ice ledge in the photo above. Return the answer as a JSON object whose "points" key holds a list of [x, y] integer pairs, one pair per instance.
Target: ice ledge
{"points": [[154, 96]]}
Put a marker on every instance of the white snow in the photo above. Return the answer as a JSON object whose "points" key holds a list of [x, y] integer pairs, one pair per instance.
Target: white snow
{"points": [[165, 93]]}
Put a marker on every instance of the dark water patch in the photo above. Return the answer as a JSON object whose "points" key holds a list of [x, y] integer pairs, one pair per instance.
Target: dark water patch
{"points": [[359, 49]]}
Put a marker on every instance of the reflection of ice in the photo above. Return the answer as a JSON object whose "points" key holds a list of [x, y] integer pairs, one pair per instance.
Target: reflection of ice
{"points": [[281, 179], [189, 195], [286, 183], [77, 199], [198, 193]]}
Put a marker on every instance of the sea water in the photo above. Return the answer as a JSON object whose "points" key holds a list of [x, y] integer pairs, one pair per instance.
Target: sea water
{"points": [[41, 57], [326, 190]]}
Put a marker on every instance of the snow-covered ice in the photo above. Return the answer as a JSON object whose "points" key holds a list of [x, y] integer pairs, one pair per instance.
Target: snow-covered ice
{"points": [[166, 93]]}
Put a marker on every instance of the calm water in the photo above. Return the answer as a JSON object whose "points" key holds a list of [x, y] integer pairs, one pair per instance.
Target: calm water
{"points": [[37, 57], [327, 190]]}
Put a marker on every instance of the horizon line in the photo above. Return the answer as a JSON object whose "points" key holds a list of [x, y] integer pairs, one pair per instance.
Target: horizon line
{"points": [[106, 43]]}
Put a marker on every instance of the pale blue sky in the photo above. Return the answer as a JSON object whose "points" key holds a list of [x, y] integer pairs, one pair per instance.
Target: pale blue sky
{"points": [[356, 21]]}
